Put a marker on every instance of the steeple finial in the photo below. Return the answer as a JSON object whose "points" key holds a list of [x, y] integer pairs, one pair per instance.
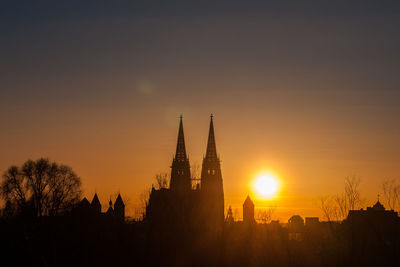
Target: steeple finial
{"points": [[211, 153], [180, 154]]}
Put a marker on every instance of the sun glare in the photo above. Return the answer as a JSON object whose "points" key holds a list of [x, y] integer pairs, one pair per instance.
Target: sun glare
{"points": [[266, 186]]}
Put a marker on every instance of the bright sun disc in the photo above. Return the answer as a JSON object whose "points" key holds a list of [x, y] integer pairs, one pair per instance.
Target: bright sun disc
{"points": [[266, 185]]}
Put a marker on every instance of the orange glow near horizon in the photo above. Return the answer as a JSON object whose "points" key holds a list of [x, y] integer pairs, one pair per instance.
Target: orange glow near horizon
{"points": [[266, 186]]}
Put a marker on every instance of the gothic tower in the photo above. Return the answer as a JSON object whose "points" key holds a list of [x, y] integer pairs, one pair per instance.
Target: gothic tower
{"points": [[180, 169], [211, 185]]}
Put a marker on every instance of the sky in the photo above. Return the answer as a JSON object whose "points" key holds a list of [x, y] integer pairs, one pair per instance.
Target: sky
{"points": [[308, 90]]}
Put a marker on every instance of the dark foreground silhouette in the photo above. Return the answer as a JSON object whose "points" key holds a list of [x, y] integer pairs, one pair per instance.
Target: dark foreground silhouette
{"points": [[78, 239]]}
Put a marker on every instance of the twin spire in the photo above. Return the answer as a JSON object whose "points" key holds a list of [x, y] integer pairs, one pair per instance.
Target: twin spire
{"points": [[211, 153]]}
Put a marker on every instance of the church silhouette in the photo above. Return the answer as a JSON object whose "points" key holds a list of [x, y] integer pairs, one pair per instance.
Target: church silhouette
{"points": [[186, 209]]}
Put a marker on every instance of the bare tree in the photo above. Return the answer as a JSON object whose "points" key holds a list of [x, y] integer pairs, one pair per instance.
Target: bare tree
{"points": [[329, 208], [64, 189], [144, 198], [162, 180], [337, 208], [391, 191], [14, 187], [47, 187], [195, 173], [352, 192], [265, 215], [340, 207]]}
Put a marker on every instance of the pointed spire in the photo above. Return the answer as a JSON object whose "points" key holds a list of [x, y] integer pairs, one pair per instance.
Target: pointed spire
{"points": [[248, 201], [180, 154], [119, 202], [95, 204], [229, 216], [95, 200], [211, 153]]}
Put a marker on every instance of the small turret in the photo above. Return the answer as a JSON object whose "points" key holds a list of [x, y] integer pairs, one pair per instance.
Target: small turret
{"points": [[110, 210]]}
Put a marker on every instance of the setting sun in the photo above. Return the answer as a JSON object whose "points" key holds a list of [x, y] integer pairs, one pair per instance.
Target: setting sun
{"points": [[266, 185]]}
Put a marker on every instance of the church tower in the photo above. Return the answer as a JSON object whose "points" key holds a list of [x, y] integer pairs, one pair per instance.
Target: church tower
{"points": [[248, 211], [180, 169], [211, 185]]}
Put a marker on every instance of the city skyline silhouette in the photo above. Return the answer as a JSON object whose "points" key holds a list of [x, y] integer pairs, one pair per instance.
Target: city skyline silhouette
{"points": [[258, 133]]}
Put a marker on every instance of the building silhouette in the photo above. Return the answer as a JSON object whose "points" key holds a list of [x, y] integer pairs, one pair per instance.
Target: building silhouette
{"points": [[211, 186], [374, 221], [248, 211], [295, 228], [374, 230], [94, 208], [183, 208]]}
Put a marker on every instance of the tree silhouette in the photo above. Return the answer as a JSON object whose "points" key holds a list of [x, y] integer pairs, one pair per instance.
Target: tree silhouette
{"points": [[265, 215], [391, 194], [162, 180], [336, 208], [41, 186]]}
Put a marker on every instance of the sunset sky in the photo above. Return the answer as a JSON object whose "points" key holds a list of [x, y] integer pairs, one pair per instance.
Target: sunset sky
{"points": [[308, 90]]}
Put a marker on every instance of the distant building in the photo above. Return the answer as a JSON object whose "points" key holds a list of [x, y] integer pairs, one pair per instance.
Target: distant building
{"points": [[374, 229], [376, 216], [248, 211], [185, 208], [296, 228], [94, 208]]}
